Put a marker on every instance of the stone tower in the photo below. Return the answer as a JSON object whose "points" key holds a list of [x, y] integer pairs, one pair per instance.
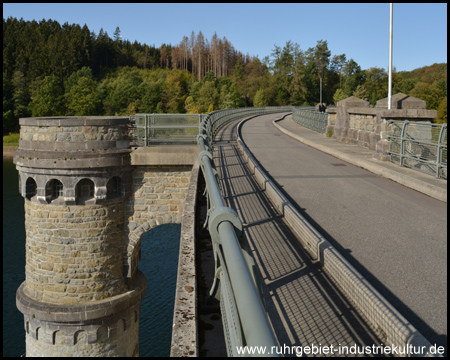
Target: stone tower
{"points": [[75, 175]]}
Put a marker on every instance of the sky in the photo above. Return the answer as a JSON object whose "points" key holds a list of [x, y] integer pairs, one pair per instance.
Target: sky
{"points": [[361, 31]]}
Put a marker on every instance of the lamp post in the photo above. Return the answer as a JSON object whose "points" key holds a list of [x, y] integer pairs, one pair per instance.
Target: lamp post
{"points": [[321, 90], [390, 57]]}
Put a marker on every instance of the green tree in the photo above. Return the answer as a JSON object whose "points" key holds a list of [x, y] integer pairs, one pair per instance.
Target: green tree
{"points": [[239, 78], [260, 99], [83, 98], [298, 84], [151, 89], [195, 90], [208, 95], [376, 84], [287, 58], [117, 44], [9, 124], [430, 93], [131, 109], [311, 79], [190, 106], [209, 76], [174, 94], [120, 90], [117, 34], [282, 95], [322, 59], [257, 78], [72, 80], [407, 85], [21, 95], [275, 64], [441, 84], [339, 95], [48, 98], [160, 108], [230, 97], [361, 92], [442, 112], [352, 76], [337, 65]]}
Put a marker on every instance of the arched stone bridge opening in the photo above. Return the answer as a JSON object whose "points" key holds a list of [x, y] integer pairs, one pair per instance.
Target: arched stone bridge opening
{"points": [[158, 198]]}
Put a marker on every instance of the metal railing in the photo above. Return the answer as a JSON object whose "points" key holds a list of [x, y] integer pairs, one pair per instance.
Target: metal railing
{"points": [[244, 318], [309, 118], [420, 146], [183, 128], [165, 128]]}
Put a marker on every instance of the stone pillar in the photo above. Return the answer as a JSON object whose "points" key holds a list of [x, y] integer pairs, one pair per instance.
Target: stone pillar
{"points": [[75, 175], [342, 116]]}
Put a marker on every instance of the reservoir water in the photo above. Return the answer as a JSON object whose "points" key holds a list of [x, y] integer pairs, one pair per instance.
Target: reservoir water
{"points": [[159, 261]]}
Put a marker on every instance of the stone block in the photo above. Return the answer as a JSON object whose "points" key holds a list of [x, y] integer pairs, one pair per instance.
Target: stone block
{"points": [[60, 268], [55, 248], [352, 101], [402, 101], [56, 288], [46, 266]]}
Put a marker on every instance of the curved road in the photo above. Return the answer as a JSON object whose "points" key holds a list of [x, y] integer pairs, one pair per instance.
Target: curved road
{"points": [[394, 236]]}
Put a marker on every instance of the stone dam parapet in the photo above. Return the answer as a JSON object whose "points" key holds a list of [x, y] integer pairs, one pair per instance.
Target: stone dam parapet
{"points": [[354, 121]]}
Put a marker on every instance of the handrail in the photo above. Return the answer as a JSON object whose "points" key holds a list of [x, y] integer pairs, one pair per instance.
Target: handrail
{"points": [[245, 319], [418, 145], [310, 118], [149, 129]]}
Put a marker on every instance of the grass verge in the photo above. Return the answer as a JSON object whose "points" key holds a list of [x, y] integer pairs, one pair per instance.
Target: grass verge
{"points": [[11, 139]]}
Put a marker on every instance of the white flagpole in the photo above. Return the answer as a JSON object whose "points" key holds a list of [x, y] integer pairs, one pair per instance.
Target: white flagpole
{"points": [[390, 57]]}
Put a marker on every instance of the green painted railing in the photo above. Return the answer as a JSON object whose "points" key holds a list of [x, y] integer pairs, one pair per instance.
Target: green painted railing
{"points": [[420, 146], [165, 128], [309, 118], [244, 318]]}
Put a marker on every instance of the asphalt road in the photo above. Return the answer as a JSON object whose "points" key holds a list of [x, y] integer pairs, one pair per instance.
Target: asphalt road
{"points": [[394, 236]]}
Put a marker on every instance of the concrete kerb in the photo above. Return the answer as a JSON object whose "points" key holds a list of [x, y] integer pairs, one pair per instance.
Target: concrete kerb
{"points": [[418, 185], [185, 324], [381, 315]]}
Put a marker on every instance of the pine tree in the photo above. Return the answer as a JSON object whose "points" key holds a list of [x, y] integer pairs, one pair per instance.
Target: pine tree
{"points": [[322, 59], [21, 95]]}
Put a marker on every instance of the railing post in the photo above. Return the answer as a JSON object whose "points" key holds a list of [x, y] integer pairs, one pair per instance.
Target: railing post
{"points": [[439, 150], [146, 130], [402, 142], [153, 126]]}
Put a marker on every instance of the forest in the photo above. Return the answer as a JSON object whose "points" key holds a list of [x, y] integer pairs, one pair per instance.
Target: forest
{"points": [[52, 70]]}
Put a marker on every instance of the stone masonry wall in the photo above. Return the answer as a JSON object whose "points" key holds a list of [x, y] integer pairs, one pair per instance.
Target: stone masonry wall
{"points": [[110, 337], [159, 196], [366, 122], [363, 128], [74, 133], [72, 252]]}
